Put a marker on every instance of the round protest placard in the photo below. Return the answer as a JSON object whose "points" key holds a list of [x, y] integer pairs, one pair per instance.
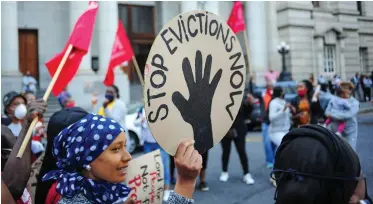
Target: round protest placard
{"points": [[194, 81]]}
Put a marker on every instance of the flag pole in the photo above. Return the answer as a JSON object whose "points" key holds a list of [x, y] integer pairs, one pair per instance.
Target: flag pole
{"points": [[45, 98], [138, 70], [248, 52]]}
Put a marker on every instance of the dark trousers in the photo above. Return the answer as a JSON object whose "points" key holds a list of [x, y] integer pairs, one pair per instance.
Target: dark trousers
{"points": [[367, 93], [239, 142], [356, 93]]}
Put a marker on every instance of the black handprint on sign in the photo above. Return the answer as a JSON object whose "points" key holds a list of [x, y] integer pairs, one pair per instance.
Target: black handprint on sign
{"points": [[197, 109]]}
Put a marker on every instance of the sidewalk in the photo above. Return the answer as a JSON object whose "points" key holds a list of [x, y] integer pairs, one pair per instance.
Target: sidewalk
{"points": [[366, 107]]}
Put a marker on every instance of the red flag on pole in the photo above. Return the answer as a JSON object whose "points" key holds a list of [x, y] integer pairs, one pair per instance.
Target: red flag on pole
{"points": [[80, 39], [121, 52], [237, 20]]}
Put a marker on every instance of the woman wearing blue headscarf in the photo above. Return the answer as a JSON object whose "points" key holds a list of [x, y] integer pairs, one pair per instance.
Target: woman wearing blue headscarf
{"points": [[92, 161]]}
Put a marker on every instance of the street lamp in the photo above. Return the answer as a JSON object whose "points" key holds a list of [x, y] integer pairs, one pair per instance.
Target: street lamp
{"points": [[283, 49]]}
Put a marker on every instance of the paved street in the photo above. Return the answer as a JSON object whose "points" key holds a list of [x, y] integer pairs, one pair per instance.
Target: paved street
{"points": [[235, 191]]}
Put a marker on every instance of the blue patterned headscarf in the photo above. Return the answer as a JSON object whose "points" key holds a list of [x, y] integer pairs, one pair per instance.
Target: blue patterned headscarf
{"points": [[76, 147]]}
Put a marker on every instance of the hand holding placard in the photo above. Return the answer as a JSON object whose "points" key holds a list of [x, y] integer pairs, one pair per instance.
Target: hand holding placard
{"points": [[188, 163], [197, 109]]}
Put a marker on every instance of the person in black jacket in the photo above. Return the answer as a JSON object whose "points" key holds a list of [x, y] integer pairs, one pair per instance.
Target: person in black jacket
{"points": [[57, 123], [237, 134]]}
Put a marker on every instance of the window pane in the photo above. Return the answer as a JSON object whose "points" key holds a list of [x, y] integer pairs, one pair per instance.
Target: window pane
{"points": [[364, 59], [329, 58], [123, 15], [142, 19]]}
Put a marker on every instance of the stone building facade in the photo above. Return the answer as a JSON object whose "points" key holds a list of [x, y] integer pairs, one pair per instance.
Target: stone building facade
{"points": [[324, 37], [327, 37]]}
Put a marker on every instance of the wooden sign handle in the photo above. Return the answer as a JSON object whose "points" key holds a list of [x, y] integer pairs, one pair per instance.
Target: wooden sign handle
{"points": [[138, 70], [45, 98]]}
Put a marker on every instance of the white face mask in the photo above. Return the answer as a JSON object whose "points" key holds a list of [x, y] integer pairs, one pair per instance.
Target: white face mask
{"points": [[20, 111]]}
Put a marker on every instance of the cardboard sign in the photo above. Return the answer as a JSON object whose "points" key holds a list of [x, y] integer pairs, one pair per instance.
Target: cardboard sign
{"points": [[194, 81], [145, 175]]}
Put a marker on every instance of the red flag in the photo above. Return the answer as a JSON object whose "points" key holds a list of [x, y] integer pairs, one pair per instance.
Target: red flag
{"points": [[237, 20], [80, 39], [121, 52]]}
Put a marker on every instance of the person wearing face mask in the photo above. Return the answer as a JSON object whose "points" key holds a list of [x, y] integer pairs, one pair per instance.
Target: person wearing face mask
{"points": [[16, 110], [16, 171], [304, 110], [113, 107]]}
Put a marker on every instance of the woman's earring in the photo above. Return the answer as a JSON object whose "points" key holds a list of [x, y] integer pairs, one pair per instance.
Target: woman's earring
{"points": [[88, 167]]}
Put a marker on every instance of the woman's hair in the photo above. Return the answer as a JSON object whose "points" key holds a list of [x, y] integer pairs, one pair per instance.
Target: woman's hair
{"points": [[324, 87], [59, 121], [309, 87], [277, 92], [315, 151], [116, 90]]}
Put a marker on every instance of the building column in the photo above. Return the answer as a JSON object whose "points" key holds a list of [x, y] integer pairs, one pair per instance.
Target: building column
{"points": [[256, 28], [319, 49], [107, 27], [76, 9], [188, 6], [10, 75], [9, 39], [107, 22], [342, 59], [274, 58], [86, 82], [165, 11], [211, 6]]}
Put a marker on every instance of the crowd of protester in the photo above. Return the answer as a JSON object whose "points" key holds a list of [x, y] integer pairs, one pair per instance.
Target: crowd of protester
{"points": [[309, 144]]}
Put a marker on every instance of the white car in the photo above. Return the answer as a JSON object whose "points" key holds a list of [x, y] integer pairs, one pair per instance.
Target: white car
{"points": [[134, 138]]}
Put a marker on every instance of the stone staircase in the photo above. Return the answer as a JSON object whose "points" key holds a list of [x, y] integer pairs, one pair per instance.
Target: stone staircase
{"points": [[53, 105]]}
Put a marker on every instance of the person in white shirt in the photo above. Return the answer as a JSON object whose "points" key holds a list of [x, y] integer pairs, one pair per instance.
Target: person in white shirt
{"points": [[322, 80], [29, 83], [279, 116]]}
